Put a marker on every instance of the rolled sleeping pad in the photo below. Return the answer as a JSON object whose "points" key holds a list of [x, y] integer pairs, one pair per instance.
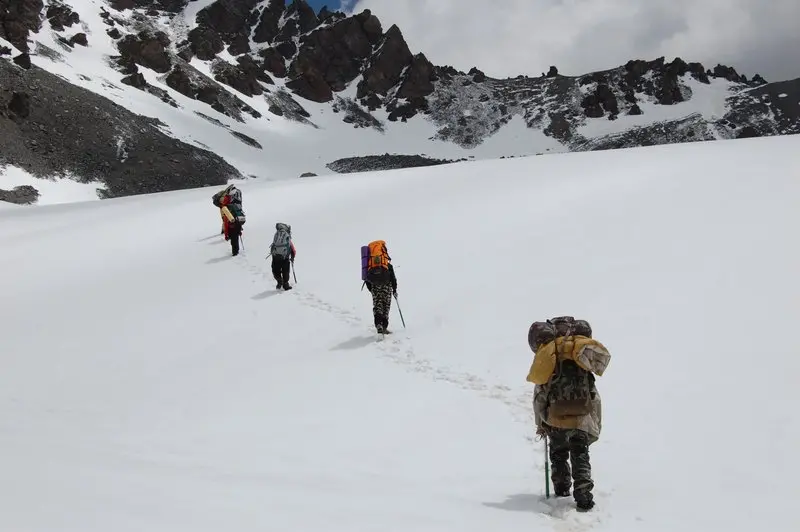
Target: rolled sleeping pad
{"points": [[364, 262]]}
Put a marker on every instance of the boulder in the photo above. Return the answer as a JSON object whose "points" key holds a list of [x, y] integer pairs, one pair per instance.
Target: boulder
{"points": [[23, 60], [61, 16], [180, 81], [147, 50], [236, 77], [20, 105], [79, 38]]}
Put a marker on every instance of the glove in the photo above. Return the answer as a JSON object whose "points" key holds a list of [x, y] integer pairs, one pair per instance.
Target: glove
{"points": [[541, 432]]}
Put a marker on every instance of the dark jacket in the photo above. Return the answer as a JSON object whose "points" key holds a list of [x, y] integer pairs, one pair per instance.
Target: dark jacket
{"points": [[392, 279]]}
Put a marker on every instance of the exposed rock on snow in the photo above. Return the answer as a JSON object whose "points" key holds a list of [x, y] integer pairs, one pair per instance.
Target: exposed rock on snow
{"points": [[22, 195], [56, 128], [383, 162]]}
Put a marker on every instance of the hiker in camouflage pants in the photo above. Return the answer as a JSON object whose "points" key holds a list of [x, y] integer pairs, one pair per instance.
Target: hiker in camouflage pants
{"points": [[382, 300], [381, 304], [571, 445]]}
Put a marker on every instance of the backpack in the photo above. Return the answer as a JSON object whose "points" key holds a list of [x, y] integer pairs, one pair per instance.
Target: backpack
{"points": [[377, 267], [216, 199], [237, 212], [282, 241], [236, 195], [571, 388]]}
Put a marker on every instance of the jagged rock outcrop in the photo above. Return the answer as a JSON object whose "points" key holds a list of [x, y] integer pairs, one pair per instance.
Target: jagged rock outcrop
{"points": [[331, 57]]}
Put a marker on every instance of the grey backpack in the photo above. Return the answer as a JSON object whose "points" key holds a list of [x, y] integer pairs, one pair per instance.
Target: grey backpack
{"points": [[282, 241]]}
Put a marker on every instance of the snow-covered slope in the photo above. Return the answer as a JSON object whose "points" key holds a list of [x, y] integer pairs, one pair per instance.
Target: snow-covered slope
{"points": [[152, 382], [277, 91]]}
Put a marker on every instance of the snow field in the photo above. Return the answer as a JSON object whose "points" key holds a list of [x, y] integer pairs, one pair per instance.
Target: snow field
{"points": [[154, 382]]}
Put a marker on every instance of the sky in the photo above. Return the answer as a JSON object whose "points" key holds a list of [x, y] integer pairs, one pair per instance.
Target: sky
{"points": [[512, 37]]}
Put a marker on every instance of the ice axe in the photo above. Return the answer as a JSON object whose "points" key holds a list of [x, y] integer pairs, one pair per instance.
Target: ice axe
{"points": [[546, 470], [400, 310]]}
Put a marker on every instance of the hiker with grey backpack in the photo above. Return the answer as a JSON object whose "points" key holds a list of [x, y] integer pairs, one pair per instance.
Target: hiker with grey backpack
{"points": [[282, 251], [566, 403]]}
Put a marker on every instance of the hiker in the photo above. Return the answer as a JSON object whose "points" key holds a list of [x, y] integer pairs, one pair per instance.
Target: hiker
{"points": [[234, 218], [228, 195], [283, 252], [566, 404], [377, 273]]}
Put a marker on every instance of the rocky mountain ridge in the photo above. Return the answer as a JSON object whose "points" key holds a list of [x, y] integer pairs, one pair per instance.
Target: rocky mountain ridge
{"points": [[233, 55]]}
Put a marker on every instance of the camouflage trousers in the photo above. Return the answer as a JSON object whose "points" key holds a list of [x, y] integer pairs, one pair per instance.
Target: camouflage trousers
{"points": [[381, 303], [571, 447]]}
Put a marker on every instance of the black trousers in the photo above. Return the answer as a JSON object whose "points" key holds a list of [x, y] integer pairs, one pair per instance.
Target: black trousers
{"points": [[234, 232], [571, 447], [280, 269]]}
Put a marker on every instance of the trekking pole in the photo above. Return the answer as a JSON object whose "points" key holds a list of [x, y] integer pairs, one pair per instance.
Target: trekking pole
{"points": [[293, 274], [400, 311], [546, 469], [241, 239]]}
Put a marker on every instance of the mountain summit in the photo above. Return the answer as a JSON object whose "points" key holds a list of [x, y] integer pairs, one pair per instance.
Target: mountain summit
{"points": [[150, 95]]}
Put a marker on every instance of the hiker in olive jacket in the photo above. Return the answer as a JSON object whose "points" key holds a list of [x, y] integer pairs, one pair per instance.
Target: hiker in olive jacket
{"points": [[566, 403]]}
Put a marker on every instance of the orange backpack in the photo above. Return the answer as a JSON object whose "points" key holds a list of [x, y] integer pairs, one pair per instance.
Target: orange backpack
{"points": [[378, 263]]}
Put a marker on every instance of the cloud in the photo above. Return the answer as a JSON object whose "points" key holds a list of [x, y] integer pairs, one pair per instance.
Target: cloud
{"points": [[512, 37]]}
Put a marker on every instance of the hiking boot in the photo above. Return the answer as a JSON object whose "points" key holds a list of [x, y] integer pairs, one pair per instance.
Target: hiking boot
{"points": [[279, 285], [287, 286], [380, 328], [562, 491], [584, 505]]}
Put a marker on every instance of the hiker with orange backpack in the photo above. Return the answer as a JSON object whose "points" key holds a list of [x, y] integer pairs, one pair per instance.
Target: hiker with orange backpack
{"points": [[378, 275]]}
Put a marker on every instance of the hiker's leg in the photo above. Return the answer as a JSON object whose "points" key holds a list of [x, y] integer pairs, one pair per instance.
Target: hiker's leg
{"points": [[581, 468], [559, 461]]}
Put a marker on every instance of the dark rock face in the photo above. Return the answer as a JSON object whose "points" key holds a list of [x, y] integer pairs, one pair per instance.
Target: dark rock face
{"points": [[355, 114], [181, 82], [274, 62], [71, 130], [170, 6], [149, 51], [328, 59], [385, 67], [18, 18], [229, 21], [61, 16], [729, 73], [244, 81], [205, 43], [267, 28], [22, 195]]}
